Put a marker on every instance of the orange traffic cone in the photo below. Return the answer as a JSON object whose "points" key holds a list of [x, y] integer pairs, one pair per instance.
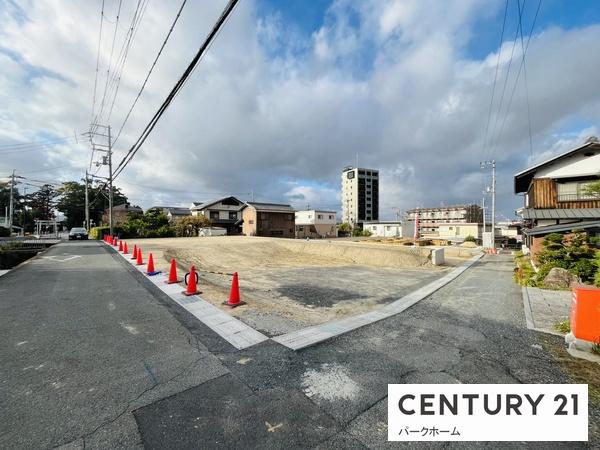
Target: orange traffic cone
{"points": [[120, 246], [115, 241], [140, 259], [173, 273], [150, 270], [125, 249], [234, 295], [191, 284], [134, 254]]}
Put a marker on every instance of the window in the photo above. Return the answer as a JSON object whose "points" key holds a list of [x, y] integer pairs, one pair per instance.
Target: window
{"points": [[251, 222], [214, 215], [300, 228], [374, 227], [572, 191], [331, 216], [290, 217], [319, 216], [232, 215], [263, 216]]}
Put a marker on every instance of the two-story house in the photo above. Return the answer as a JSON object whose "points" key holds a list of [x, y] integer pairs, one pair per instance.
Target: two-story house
{"points": [[315, 223], [268, 219], [223, 212], [555, 198]]}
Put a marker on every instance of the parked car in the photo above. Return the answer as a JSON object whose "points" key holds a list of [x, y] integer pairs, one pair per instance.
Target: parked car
{"points": [[78, 233]]}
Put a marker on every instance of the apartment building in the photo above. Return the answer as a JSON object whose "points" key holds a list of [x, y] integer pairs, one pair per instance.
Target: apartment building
{"points": [[360, 195], [430, 219], [315, 223]]}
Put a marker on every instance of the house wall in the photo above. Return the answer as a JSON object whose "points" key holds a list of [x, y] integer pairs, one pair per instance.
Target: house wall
{"points": [[384, 229], [460, 230], [249, 225], [543, 194]]}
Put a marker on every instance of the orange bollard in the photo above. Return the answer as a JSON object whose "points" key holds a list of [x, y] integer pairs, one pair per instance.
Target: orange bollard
{"points": [[125, 249], [150, 269], [134, 254], [585, 313], [173, 273], [234, 294], [140, 259], [191, 284]]}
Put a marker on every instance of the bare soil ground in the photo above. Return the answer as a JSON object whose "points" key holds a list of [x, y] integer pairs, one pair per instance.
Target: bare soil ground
{"points": [[290, 284]]}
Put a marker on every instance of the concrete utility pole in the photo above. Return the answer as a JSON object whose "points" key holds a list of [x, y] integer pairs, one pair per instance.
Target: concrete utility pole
{"points": [[492, 164], [483, 210], [110, 184], [106, 160], [87, 203], [11, 203]]}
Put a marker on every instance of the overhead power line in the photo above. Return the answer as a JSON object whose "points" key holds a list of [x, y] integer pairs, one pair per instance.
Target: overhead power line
{"points": [[180, 83], [129, 37], [150, 71], [487, 125], [519, 72], [512, 52], [97, 62], [112, 49]]}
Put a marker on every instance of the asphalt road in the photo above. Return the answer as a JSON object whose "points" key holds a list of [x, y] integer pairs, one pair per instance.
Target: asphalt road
{"points": [[95, 356]]}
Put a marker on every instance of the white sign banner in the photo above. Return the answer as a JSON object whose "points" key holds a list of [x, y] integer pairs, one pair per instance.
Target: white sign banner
{"points": [[487, 412]]}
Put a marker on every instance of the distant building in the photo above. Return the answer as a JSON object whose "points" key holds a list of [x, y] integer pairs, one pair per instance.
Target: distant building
{"points": [[430, 219], [315, 223], [555, 197], [225, 212], [174, 212], [384, 228], [121, 213], [360, 195], [268, 219]]}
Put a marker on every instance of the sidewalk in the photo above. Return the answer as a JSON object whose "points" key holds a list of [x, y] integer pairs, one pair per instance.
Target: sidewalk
{"points": [[544, 308]]}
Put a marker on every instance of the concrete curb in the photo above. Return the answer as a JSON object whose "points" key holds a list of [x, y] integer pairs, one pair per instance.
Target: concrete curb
{"points": [[527, 308], [313, 335], [234, 331], [242, 336]]}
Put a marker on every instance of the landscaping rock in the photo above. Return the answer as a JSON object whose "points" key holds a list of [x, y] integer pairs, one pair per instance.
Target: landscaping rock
{"points": [[559, 278]]}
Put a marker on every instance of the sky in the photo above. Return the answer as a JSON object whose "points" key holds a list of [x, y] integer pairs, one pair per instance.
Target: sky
{"points": [[292, 92]]}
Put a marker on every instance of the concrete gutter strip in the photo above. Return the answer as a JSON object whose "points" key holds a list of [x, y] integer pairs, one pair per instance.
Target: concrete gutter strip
{"points": [[234, 331], [4, 272], [242, 336], [313, 335]]}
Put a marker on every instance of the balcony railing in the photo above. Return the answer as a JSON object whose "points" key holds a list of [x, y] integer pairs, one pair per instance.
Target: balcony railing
{"points": [[577, 197]]}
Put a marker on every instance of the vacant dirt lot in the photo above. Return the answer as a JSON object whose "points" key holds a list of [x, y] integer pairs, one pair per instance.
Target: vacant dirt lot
{"points": [[290, 284]]}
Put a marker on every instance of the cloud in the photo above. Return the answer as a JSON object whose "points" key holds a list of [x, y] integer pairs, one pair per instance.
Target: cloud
{"points": [[278, 111]]}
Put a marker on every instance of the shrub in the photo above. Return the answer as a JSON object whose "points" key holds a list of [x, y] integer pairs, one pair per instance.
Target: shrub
{"points": [[4, 232], [585, 269], [98, 232], [191, 225], [470, 238]]}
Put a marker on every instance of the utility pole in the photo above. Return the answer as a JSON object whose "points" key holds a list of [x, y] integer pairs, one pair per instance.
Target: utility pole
{"points": [[110, 185], [492, 164], [11, 203], [483, 210], [87, 203], [106, 160]]}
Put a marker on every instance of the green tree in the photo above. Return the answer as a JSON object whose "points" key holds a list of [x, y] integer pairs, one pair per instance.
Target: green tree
{"points": [[189, 226], [71, 202], [42, 202]]}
